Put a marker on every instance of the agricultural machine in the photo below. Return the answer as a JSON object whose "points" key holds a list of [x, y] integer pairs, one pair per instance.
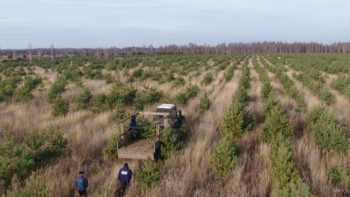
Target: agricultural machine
{"points": [[166, 115]]}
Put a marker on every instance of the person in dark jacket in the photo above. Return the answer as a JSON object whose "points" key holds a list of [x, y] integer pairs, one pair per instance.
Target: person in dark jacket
{"points": [[124, 176], [132, 126], [81, 184]]}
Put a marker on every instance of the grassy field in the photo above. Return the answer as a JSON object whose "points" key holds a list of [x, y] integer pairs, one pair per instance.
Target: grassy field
{"points": [[256, 125]]}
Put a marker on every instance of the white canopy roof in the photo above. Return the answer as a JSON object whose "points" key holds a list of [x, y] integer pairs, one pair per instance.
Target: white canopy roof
{"points": [[166, 106]]}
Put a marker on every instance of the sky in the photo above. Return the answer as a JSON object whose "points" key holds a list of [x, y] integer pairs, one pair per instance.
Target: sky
{"points": [[123, 23]]}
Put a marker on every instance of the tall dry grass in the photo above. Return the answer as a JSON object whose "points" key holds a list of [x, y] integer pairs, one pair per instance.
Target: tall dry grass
{"points": [[189, 172]]}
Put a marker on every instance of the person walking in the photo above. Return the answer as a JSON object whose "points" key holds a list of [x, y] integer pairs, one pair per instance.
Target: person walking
{"points": [[132, 127], [81, 183], [124, 176]]}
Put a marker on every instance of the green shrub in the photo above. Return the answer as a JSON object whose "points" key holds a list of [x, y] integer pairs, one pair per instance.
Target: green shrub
{"points": [[276, 122], [60, 107], [204, 104], [230, 72], [34, 187], [121, 94], [100, 103], [179, 82], [233, 124], [83, 99], [172, 140], [328, 133], [31, 83], [208, 78], [151, 97], [338, 175], [109, 78], [8, 86], [22, 94], [224, 156], [56, 90], [266, 90], [184, 96], [34, 151], [119, 112], [147, 176], [146, 128], [298, 189], [111, 150], [283, 168], [72, 73]]}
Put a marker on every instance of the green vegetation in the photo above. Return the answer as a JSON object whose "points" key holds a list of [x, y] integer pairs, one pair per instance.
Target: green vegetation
{"points": [[147, 176], [279, 133], [235, 123], [237, 119], [224, 156], [24, 93], [147, 97], [8, 86], [208, 78], [276, 122], [342, 84], [172, 140], [56, 90], [204, 104], [317, 88], [34, 151], [83, 100], [266, 85], [287, 83], [184, 96], [111, 150], [60, 107], [339, 175], [328, 133], [34, 187]]}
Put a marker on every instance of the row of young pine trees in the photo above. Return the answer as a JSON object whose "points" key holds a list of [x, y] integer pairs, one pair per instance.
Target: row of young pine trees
{"points": [[275, 131], [327, 132]]}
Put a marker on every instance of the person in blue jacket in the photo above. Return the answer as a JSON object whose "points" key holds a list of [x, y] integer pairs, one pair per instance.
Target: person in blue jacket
{"points": [[81, 183], [132, 126], [124, 176]]}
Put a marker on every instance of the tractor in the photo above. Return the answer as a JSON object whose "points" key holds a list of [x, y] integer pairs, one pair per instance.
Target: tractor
{"points": [[166, 115]]}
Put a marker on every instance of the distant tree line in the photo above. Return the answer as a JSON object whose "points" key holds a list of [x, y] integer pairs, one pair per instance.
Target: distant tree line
{"points": [[191, 48]]}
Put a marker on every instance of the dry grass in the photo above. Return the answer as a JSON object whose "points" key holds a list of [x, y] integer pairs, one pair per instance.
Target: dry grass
{"points": [[310, 99], [310, 160], [342, 103], [251, 176], [97, 86], [188, 172]]}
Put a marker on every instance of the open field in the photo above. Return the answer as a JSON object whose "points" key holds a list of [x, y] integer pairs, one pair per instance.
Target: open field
{"points": [[276, 124]]}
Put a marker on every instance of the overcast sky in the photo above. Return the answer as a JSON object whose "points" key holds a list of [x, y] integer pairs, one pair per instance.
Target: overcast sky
{"points": [[120, 23]]}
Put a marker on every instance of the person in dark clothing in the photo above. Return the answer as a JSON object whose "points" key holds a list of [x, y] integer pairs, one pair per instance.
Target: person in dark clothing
{"points": [[81, 184], [124, 176], [132, 126]]}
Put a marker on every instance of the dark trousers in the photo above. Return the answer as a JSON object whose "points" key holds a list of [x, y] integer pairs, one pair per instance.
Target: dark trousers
{"points": [[123, 189], [82, 193]]}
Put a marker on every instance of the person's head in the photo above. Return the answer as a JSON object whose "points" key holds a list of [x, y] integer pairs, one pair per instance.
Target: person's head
{"points": [[81, 173], [133, 117], [126, 165]]}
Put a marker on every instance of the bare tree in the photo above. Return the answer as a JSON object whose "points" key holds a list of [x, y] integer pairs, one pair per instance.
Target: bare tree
{"points": [[14, 55], [106, 53], [30, 53], [39, 53], [52, 52]]}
